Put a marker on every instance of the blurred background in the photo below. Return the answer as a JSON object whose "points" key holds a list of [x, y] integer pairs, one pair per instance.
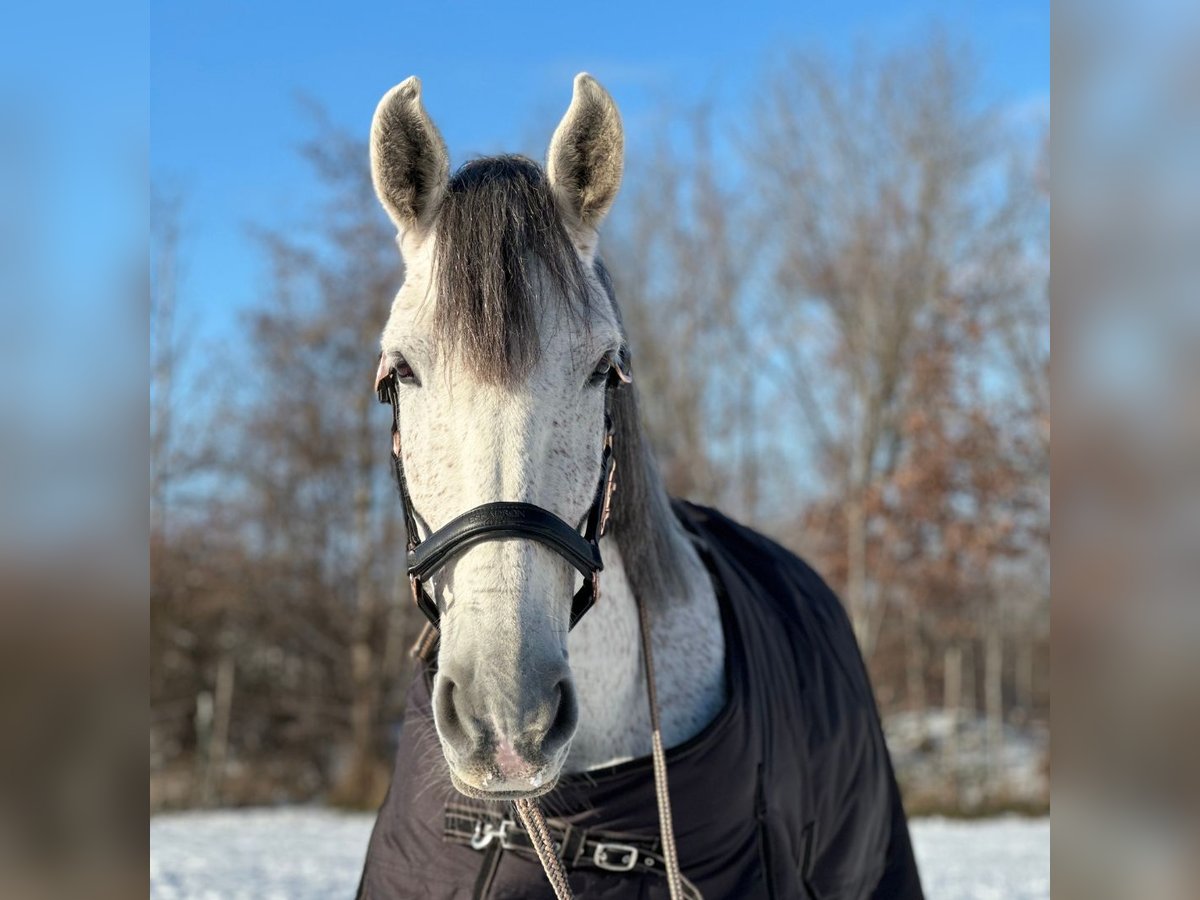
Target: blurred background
{"points": [[832, 250]]}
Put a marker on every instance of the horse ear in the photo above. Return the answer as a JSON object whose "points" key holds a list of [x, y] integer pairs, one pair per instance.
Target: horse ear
{"points": [[587, 154], [409, 163]]}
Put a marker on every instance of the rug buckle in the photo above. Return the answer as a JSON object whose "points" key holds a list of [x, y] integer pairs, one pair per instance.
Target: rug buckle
{"points": [[628, 857], [486, 831]]}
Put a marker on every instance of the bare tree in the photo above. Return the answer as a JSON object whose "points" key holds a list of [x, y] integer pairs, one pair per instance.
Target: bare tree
{"points": [[876, 177], [682, 252], [165, 348], [316, 460]]}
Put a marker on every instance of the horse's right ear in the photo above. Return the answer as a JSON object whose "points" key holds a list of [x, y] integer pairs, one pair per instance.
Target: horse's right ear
{"points": [[409, 163]]}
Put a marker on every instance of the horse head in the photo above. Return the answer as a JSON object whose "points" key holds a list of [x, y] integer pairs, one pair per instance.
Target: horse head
{"points": [[501, 346]]}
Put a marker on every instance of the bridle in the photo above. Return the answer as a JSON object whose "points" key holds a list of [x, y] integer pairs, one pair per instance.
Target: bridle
{"points": [[508, 519]]}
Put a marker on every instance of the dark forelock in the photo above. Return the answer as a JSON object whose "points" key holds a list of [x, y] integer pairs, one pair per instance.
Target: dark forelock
{"points": [[502, 253]]}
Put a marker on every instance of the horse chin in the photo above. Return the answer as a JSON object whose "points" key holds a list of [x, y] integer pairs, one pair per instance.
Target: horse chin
{"points": [[494, 776], [503, 790]]}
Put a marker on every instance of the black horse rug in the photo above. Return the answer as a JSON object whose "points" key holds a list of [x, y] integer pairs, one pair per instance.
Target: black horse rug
{"points": [[787, 793]]}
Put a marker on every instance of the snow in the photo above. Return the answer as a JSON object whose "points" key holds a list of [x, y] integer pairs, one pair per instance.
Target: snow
{"points": [[290, 853], [298, 853], [987, 859]]}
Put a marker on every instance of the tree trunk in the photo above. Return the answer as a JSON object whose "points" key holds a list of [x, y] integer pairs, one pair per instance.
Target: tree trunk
{"points": [[364, 671], [1024, 679], [952, 703], [914, 671], [856, 551], [749, 448], [993, 689], [362, 706], [970, 697], [218, 737], [164, 354], [202, 723]]}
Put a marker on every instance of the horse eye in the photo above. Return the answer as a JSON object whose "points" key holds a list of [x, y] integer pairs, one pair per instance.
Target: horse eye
{"points": [[404, 372], [602, 371]]}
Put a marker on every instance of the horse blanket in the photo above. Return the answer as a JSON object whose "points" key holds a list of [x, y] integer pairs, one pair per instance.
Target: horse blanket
{"points": [[787, 793]]}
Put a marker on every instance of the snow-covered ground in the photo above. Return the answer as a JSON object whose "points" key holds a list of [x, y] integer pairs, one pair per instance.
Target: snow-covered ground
{"points": [[989, 859], [299, 853]]}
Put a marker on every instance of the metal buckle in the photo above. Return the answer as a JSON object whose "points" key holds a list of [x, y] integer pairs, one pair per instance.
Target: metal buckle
{"points": [[600, 857], [485, 832]]}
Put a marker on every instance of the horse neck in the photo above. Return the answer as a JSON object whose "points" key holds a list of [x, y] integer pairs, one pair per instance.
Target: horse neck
{"points": [[605, 652]]}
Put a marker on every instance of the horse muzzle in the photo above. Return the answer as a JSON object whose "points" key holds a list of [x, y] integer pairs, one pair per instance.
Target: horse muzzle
{"points": [[505, 750]]}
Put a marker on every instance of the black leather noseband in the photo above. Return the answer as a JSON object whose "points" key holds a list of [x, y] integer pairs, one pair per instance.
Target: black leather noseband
{"points": [[507, 519]]}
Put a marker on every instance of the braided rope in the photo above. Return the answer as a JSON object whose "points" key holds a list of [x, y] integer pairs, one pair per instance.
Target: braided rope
{"points": [[666, 827], [535, 822], [535, 826]]}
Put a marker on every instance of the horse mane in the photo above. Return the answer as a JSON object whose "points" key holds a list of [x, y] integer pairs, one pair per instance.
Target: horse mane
{"points": [[644, 525], [502, 251]]}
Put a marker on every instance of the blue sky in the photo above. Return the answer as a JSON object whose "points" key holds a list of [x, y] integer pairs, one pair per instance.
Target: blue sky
{"points": [[225, 77]]}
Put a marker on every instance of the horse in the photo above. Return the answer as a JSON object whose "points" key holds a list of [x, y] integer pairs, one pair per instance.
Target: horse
{"points": [[682, 696]]}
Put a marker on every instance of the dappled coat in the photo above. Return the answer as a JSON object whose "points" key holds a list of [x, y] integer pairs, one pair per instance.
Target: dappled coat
{"points": [[787, 793]]}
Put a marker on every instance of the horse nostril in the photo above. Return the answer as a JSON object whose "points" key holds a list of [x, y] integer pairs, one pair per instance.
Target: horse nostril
{"points": [[566, 717], [449, 717]]}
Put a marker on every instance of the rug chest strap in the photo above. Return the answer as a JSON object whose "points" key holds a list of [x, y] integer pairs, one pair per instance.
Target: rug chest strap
{"points": [[579, 849]]}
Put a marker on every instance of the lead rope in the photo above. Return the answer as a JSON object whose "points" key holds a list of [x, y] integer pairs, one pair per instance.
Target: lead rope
{"points": [[535, 822], [666, 828], [539, 835]]}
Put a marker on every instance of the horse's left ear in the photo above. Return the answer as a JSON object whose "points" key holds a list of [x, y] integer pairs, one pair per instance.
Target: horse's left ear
{"points": [[586, 156]]}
